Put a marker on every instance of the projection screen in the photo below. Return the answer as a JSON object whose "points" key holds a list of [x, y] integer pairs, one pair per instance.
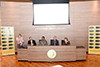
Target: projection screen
{"points": [[51, 13]]}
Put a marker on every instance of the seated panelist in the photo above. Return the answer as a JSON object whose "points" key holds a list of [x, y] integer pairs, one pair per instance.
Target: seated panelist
{"points": [[31, 42], [54, 42], [66, 42], [43, 42], [20, 41]]}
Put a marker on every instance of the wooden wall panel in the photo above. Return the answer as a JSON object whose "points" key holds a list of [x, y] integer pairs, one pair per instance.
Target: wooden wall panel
{"points": [[0, 23], [82, 14]]}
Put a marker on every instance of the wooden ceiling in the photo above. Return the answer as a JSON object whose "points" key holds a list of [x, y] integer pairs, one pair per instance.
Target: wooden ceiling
{"points": [[31, 0]]}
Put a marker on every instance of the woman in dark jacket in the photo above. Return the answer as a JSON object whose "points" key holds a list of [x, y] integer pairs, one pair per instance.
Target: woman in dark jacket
{"points": [[66, 42]]}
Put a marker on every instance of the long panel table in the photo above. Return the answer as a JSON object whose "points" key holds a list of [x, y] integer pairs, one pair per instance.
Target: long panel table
{"points": [[58, 53]]}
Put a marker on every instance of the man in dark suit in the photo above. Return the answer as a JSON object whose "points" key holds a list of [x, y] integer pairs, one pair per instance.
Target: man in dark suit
{"points": [[31, 42], [54, 42]]}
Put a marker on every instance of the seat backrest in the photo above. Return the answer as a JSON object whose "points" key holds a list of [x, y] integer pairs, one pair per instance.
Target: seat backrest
{"points": [[39, 40], [62, 42]]}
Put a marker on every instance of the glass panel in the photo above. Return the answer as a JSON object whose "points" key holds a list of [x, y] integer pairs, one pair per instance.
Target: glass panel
{"points": [[4, 41], [97, 30], [10, 38], [97, 27], [97, 37], [10, 41], [4, 35], [97, 40], [91, 37], [4, 48], [91, 34], [10, 44], [97, 33], [3, 28], [91, 30], [4, 45], [91, 27], [91, 44], [4, 38], [10, 47], [3, 31], [10, 28], [97, 44], [97, 47], [10, 35], [10, 31], [91, 40], [91, 47]]}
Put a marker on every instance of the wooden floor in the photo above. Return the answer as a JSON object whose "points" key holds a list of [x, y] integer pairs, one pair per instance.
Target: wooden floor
{"points": [[11, 61]]}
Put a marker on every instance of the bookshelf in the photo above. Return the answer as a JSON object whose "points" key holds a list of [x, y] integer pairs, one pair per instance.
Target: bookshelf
{"points": [[7, 41], [94, 40]]}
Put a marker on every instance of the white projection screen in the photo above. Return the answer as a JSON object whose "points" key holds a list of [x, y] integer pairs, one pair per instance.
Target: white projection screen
{"points": [[51, 14]]}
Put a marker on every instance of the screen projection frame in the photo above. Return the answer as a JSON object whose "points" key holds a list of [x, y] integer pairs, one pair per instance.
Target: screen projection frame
{"points": [[52, 2]]}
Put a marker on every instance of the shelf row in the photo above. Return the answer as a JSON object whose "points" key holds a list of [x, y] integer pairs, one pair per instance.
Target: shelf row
{"points": [[8, 48], [7, 35], [94, 30], [94, 40], [94, 27], [95, 47], [7, 41], [7, 31], [7, 45], [94, 43], [7, 28], [94, 33]]}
